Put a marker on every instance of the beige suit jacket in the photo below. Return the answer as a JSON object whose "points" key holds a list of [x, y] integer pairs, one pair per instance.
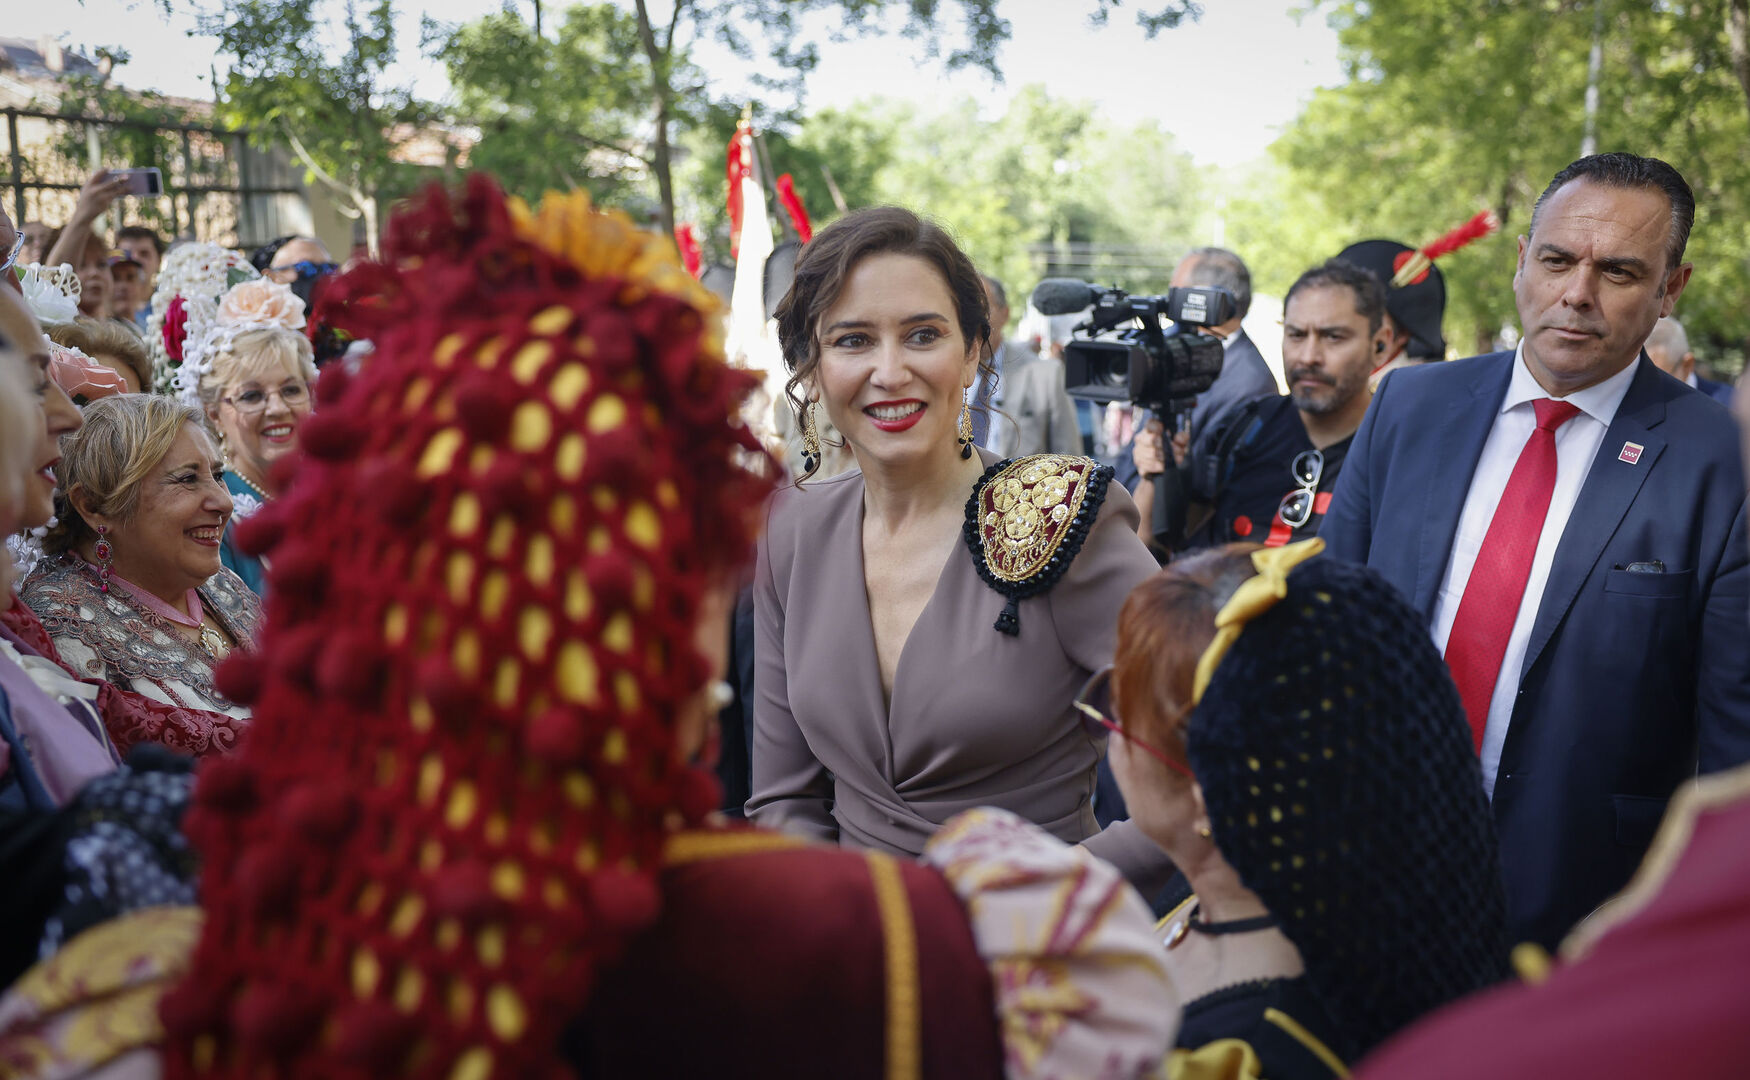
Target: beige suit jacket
{"points": [[978, 718], [1038, 416]]}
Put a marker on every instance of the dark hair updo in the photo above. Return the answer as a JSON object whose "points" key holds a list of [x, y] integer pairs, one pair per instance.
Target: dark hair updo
{"points": [[826, 264]]}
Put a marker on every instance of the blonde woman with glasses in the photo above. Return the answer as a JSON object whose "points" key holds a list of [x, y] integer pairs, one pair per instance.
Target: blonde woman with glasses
{"points": [[256, 393]]}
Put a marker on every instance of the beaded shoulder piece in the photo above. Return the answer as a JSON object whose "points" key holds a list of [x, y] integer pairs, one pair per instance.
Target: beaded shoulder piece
{"points": [[1026, 521]]}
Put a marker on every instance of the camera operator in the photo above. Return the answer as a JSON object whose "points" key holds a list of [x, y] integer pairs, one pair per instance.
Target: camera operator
{"points": [[1244, 375], [1274, 463]]}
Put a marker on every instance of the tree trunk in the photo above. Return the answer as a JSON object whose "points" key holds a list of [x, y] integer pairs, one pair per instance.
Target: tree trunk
{"points": [[661, 91], [1738, 41]]}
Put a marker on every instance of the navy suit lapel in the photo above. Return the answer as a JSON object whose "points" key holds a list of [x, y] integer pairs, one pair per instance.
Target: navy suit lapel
{"points": [[1610, 488], [1464, 430]]}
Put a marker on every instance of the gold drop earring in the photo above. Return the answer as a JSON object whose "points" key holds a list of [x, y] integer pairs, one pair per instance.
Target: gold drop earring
{"points": [[810, 439], [965, 438]]}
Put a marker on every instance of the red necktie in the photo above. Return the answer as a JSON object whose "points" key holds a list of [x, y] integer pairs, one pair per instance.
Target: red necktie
{"points": [[1497, 580]]}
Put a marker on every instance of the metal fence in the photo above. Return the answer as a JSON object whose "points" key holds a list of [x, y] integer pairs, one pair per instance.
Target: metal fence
{"points": [[216, 186], [1137, 268]]}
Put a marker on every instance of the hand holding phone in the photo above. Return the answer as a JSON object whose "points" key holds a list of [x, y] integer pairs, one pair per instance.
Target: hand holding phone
{"points": [[144, 181]]}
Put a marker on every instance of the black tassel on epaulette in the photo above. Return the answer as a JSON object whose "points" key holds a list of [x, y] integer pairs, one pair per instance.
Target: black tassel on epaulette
{"points": [[1009, 622]]}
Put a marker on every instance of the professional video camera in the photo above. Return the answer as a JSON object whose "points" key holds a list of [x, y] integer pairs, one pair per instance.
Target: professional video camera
{"points": [[1139, 362], [1123, 353]]}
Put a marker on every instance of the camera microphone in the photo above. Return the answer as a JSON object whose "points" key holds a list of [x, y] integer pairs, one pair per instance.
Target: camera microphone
{"points": [[1064, 296]]}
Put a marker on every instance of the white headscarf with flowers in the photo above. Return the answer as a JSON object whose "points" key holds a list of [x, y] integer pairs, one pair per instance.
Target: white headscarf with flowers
{"points": [[52, 294], [190, 284], [258, 304]]}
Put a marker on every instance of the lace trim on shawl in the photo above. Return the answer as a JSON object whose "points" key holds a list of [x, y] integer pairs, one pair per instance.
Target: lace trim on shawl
{"points": [[132, 718], [133, 643]]}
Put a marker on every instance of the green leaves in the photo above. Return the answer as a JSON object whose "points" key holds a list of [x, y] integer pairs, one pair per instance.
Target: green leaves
{"points": [[1451, 108], [554, 112]]}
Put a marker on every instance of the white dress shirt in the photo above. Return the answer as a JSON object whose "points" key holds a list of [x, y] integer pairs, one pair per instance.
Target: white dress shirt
{"points": [[1577, 443]]}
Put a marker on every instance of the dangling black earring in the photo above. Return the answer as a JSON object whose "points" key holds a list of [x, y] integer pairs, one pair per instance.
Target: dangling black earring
{"points": [[965, 438]]}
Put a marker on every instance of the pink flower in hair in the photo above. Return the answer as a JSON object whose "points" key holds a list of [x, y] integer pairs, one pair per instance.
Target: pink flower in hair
{"points": [[260, 302]]}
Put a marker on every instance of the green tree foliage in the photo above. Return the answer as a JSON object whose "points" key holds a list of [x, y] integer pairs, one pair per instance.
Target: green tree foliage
{"points": [[1450, 108], [555, 111], [778, 37], [1045, 176], [1027, 191], [1280, 227], [332, 100]]}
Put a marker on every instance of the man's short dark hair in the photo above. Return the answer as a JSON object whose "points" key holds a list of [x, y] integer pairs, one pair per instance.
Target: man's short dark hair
{"points": [[1620, 170], [997, 292], [1224, 270], [1334, 274], [140, 232]]}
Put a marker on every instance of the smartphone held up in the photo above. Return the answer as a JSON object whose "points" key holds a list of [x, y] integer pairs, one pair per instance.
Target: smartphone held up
{"points": [[146, 181]]}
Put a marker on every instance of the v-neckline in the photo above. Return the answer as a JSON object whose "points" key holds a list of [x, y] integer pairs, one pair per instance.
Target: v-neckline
{"points": [[868, 622]]}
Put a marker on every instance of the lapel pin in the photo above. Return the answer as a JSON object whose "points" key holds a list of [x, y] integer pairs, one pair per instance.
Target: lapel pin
{"points": [[1631, 453]]}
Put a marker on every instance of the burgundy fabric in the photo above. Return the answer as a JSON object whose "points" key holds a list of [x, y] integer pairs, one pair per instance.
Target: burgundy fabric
{"points": [[1497, 579], [130, 718], [774, 964], [1662, 994]]}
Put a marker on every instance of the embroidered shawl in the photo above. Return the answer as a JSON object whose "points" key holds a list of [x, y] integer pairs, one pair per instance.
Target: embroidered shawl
{"points": [[110, 636]]}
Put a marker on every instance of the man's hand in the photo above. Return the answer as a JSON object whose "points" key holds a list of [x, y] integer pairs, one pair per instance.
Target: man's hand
{"points": [[1147, 453], [98, 195]]}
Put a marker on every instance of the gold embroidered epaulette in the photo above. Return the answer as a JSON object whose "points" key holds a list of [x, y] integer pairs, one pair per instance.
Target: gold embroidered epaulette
{"points": [[1026, 521]]}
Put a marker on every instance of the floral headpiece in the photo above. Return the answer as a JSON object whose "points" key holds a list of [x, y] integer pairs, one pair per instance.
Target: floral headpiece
{"points": [[186, 305], [52, 294], [256, 304]]}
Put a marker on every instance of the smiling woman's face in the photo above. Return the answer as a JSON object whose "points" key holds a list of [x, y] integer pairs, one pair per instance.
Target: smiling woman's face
{"points": [[893, 362], [51, 413], [170, 543], [260, 412]]}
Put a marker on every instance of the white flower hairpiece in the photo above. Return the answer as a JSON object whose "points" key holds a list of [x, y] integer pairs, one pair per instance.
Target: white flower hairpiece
{"points": [[51, 292], [256, 304], [198, 274]]}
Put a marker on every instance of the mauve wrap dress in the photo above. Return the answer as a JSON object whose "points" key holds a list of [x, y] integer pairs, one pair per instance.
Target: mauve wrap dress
{"points": [[978, 718]]}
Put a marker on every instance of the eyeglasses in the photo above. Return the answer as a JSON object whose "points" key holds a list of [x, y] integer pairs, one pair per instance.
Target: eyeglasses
{"points": [[251, 402], [1095, 704], [1297, 506], [12, 256], [305, 268]]}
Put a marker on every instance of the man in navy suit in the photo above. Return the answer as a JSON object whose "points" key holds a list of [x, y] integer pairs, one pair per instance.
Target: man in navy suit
{"points": [[1668, 347], [1571, 521]]}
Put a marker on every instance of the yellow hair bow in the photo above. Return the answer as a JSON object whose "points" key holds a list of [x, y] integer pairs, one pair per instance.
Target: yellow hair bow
{"points": [[1255, 596]]}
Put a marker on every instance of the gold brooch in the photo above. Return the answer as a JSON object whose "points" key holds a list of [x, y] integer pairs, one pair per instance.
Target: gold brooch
{"points": [[1026, 521]]}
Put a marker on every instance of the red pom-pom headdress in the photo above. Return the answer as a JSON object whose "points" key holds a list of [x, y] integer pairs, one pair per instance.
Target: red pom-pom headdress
{"points": [[453, 799]]}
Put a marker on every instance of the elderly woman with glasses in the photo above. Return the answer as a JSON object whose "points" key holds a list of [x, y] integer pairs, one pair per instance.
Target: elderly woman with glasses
{"points": [[1290, 736], [132, 590], [242, 360], [256, 395]]}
